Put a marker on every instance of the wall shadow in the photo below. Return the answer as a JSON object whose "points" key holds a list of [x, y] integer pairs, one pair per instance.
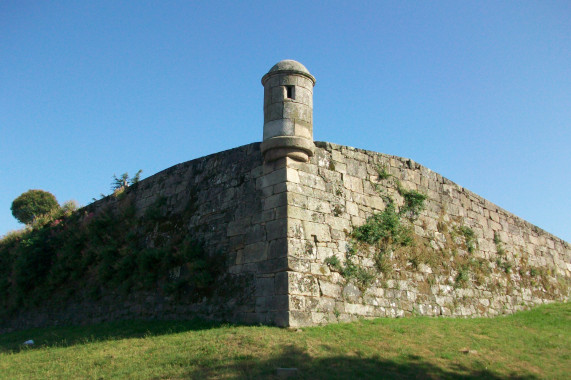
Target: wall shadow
{"points": [[344, 367], [333, 367], [65, 336]]}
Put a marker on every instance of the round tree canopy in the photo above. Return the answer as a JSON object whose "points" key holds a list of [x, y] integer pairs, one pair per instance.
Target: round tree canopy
{"points": [[32, 203]]}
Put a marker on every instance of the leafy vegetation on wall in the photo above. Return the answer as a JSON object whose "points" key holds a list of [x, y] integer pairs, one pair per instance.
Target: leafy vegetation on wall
{"points": [[386, 246], [33, 203], [87, 254]]}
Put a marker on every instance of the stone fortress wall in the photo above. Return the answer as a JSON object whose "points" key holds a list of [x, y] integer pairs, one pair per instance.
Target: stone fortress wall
{"points": [[237, 215], [512, 264], [274, 226], [280, 217]]}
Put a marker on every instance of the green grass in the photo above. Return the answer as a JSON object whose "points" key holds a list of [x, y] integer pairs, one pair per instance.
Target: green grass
{"points": [[527, 345]]}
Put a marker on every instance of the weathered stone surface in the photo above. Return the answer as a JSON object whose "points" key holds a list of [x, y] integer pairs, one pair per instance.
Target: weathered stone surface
{"points": [[278, 226], [352, 198], [288, 112]]}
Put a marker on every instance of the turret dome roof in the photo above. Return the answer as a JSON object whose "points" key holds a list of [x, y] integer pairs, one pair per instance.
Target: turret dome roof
{"points": [[288, 66]]}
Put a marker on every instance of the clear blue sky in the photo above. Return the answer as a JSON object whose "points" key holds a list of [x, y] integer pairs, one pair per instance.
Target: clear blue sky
{"points": [[477, 91]]}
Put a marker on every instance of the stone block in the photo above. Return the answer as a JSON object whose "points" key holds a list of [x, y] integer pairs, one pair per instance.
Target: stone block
{"points": [[255, 252], [298, 200], [300, 318], [353, 183], [281, 212], [265, 216], [292, 175], [296, 188], [265, 286], [301, 248], [274, 201], [338, 223], [312, 181], [317, 231], [302, 285], [329, 289], [337, 234], [280, 302], [255, 233], [277, 94], [319, 269], [273, 112], [238, 227], [359, 309], [299, 265], [297, 303], [281, 283], [315, 204], [351, 293], [330, 174], [356, 168], [323, 253], [279, 127], [278, 248], [304, 95], [270, 179], [299, 213], [295, 228], [276, 265]]}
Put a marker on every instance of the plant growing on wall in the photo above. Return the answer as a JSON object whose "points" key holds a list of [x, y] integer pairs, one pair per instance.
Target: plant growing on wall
{"points": [[124, 180], [33, 203], [110, 249], [386, 231]]}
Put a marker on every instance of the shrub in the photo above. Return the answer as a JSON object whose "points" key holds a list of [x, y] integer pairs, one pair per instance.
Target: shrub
{"points": [[470, 238], [413, 203], [83, 254], [33, 203], [382, 172], [124, 181]]}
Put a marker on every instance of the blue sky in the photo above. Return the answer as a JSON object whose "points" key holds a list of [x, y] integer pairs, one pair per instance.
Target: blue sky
{"points": [[477, 91]]}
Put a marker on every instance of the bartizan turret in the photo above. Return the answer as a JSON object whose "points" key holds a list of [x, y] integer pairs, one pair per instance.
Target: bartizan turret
{"points": [[288, 112]]}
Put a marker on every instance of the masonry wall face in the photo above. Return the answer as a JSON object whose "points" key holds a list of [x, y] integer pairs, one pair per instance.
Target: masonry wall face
{"points": [[276, 227], [512, 264], [240, 216]]}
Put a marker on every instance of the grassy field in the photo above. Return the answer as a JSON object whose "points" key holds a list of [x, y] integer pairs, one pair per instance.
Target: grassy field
{"points": [[527, 345]]}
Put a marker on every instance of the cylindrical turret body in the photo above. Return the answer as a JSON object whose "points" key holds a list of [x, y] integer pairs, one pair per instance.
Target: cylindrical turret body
{"points": [[288, 112]]}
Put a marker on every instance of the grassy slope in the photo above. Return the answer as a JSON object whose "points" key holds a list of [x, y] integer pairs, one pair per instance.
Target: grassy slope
{"points": [[529, 344]]}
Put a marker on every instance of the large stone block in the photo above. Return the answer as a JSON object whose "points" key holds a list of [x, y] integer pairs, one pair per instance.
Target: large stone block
{"points": [[276, 229], [265, 286], [279, 127], [302, 284], [255, 252]]}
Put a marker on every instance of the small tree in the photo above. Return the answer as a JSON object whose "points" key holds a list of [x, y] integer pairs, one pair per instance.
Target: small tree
{"points": [[123, 181], [32, 204]]}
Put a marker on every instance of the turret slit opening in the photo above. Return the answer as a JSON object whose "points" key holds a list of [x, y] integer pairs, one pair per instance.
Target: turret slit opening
{"points": [[290, 92]]}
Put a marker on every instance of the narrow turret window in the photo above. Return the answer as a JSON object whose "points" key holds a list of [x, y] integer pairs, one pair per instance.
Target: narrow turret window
{"points": [[290, 92]]}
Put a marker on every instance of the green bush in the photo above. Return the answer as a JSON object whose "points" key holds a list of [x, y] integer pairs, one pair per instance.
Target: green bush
{"points": [[382, 227], [85, 254], [413, 203], [470, 238], [33, 203], [387, 231]]}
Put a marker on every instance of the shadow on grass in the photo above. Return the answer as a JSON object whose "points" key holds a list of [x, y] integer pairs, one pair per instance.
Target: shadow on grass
{"points": [[66, 336], [345, 367]]}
